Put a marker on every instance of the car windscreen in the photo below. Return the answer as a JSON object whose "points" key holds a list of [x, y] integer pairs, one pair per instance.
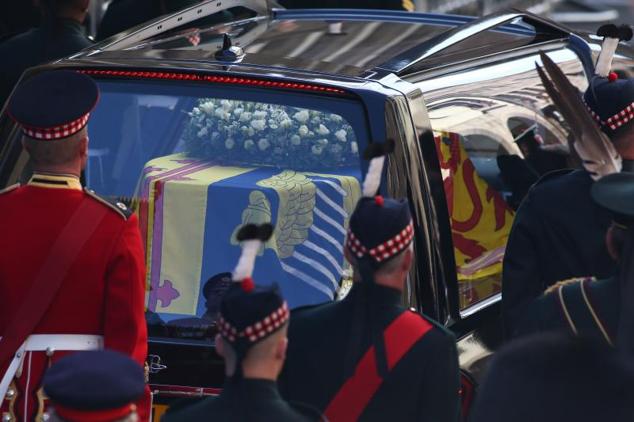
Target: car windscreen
{"points": [[197, 161]]}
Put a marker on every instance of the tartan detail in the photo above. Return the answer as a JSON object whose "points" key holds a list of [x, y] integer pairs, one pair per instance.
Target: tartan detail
{"points": [[258, 330], [621, 117], [616, 121], [57, 132], [385, 250]]}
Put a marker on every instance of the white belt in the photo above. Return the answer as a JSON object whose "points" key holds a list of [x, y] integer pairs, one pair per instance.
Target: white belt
{"points": [[48, 343]]}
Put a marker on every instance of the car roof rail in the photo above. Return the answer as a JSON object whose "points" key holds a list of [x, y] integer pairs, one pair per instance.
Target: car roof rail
{"points": [[187, 15], [414, 59]]}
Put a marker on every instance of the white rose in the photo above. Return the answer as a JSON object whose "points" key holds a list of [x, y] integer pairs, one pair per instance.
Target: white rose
{"points": [[273, 126], [354, 147], [226, 105], [341, 135], [323, 130], [303, 130], [301, 116], [207, 108], [195, 112], [259, 115], [238, 111], [317, 149], [336, 118], [203, 132], [230, 143], [263, 144], [258, 124], [246, 116], [286, 123], [322, 142], [296, 140], [250, 131], [249, 144]]}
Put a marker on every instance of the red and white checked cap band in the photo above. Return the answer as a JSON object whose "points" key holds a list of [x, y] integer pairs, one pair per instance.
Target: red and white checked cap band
{"points": [[385, 250], [258, 330], [57, 132]]}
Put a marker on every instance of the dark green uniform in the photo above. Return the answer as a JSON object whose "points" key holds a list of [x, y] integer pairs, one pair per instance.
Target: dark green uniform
{"points": [[582, 306], [248, 400], [52, 41], [558, 234], [423, 386]]}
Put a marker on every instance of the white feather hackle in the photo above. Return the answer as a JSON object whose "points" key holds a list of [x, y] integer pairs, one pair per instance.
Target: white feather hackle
{"points": [[246, 263], [598, 160], [604, 62], [373, 178]]}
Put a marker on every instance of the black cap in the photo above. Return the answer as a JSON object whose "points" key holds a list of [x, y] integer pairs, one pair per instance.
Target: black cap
{"points": [[611, 103], [247, 318], [53, 104], [88, 385], [554, 378], [615, 192], [380, 228]]}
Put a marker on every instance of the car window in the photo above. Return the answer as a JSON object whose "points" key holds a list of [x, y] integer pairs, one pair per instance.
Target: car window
{"points": [[196, 162], [488, 162], [497, 132]]}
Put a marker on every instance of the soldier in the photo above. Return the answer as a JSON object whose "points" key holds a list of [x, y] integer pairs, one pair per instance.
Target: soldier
{"points": [[60, 34], [585, 306], [558, 230], [367, 357], [72, 270], [553, 378], [252, 340], [95, 386]]}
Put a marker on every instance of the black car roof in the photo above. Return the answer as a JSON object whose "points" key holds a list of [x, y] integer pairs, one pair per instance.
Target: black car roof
{"points": [[308, 40]]}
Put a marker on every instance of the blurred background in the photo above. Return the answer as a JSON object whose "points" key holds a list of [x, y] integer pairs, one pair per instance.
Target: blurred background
{"points": [[106, 16]]}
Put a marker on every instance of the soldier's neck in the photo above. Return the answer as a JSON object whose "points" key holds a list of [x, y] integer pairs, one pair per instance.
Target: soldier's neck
{"points": [[65, 169]]}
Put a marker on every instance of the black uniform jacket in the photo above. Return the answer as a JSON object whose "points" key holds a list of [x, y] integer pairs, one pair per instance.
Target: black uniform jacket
{"points": [[423, 386], [558, 234], [584, 307], [243, 400], [50, 42]]}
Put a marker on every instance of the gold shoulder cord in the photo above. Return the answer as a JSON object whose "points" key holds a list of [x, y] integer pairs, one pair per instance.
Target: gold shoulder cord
{"points": [[565, 309], [594, 315]]}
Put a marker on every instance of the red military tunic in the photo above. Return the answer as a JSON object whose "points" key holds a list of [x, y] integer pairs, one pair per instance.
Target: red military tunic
{"points": [[102, 292]]}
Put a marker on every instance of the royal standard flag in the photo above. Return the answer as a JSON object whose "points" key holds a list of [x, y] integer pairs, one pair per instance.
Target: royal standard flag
{"points": [[191, 210]]}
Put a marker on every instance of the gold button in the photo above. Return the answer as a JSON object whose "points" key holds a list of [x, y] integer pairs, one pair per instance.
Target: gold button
{"points": [[10, 393], [122, 206]]}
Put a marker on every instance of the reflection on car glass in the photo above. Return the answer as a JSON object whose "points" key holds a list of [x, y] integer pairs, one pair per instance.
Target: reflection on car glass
{"points": [[197, 164]]}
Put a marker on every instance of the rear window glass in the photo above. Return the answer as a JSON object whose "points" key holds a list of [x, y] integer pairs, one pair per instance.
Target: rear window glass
{"points": [[197, 162]]}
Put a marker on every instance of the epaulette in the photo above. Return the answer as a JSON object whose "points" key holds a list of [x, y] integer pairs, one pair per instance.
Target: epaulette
{"points": [[9, 188], [566, 282], [552, 175], [122, 209]]}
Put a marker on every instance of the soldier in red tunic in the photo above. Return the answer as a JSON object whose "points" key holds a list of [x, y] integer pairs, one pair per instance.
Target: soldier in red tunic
{"points": [[71, 268]]}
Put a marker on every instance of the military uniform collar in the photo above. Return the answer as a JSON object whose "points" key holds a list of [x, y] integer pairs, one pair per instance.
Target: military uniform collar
{"points": [[378, 294], [55, 181], [249, 389]]}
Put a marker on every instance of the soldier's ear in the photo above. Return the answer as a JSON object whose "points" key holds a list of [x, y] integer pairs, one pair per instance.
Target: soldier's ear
{"points": [[408, 260], [220, 345], [282, 345]]}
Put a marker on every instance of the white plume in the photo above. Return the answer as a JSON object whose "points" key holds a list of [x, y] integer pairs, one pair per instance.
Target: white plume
{"points": [[246, 263], [604, 62], [373, 178]]}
